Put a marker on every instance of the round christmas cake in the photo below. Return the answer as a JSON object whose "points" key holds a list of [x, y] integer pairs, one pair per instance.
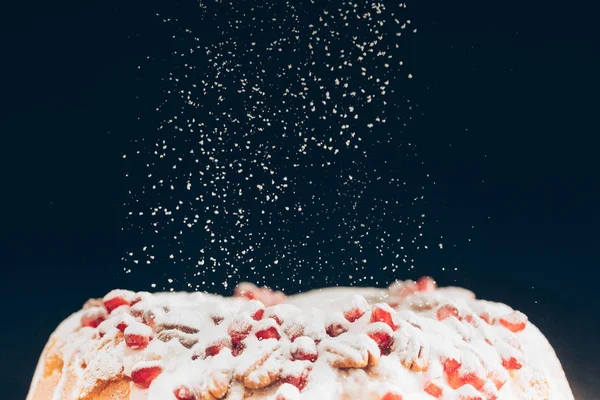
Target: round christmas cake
{"points": [[411, 341]]}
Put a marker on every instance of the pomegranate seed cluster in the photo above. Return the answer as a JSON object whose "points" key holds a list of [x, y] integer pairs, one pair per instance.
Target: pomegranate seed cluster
{"points": [[200, 346]]}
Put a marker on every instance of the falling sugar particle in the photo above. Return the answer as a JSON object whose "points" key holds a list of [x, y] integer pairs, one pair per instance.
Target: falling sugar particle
{"points": [[261, 161]]}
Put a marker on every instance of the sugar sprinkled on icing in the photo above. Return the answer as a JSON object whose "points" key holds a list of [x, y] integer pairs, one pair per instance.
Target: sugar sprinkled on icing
{"points": [[351, 361]]}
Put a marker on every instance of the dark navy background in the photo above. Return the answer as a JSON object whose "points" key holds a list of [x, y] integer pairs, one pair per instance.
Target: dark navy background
{"points": [[508, 96]]}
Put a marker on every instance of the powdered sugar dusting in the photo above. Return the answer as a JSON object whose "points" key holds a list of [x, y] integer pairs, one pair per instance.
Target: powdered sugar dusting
{"points": [[279, 147], [454, 352]]}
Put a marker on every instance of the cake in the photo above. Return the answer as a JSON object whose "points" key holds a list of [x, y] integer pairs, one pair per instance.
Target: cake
{"points": [[410, 341]]}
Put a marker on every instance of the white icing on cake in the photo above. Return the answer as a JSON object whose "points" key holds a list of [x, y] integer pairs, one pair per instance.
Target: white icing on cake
{"points": [[327, 344]]}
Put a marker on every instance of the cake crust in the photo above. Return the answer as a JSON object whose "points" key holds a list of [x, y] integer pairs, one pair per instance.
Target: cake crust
{"points": [[411, 341]]}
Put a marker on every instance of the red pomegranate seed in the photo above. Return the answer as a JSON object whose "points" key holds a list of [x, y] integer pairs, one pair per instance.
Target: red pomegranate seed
{"points": [[355, 308], [515, 321], [336, 329], [276, 314], [383, 340], [138, 335], [511, 363], [382, 312], [143, 376], [248, 294], [117, 298], [447, 311], [434, 390], [255, 308], [93, 317], [240, 328], [353, 314], [382, 335], [474, 380], [246, 290], [304, 349], [121, 326], [456, 380], [268, 333], [92, 322], [115, 302], [391, 396], [297, 380], [184, 393], [467, 397], [258, 314], [304, 356], [216, 347], [450, 365], [136, 299], [426, 284], [137, 341], [487, 318]]}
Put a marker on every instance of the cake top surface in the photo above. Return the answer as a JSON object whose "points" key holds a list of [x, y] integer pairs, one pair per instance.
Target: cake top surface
{"points": [[411, 340]]}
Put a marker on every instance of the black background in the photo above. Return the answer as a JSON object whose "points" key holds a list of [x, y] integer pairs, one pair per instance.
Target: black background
{"points": [[507, 91]]}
